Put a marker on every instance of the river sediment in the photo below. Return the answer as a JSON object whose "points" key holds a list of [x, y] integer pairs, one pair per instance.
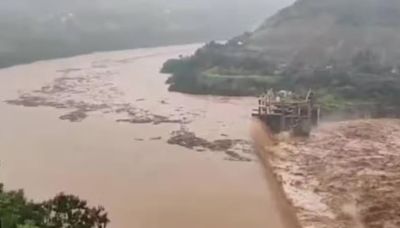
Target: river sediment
{"points": [[105, 127]]}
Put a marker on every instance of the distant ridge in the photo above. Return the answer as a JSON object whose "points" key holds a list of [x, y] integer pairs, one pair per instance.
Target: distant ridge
{"points": [[312, 31]]}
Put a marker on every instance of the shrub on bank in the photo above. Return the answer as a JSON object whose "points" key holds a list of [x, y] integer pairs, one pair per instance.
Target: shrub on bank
{"points": [[67, 211]]}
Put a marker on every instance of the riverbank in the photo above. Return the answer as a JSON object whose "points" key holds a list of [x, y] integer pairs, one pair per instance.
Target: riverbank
{"points": [[107, 121], [362, 87]]}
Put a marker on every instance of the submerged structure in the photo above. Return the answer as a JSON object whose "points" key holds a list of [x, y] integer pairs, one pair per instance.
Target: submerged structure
{"points": [[285, 111]]}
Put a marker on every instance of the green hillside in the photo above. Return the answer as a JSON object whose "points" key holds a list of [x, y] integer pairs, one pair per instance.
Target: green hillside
{"points": [[346, 50]]}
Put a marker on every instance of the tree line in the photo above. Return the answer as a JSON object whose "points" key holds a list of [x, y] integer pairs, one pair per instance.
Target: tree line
{"points": [[62, 211]]}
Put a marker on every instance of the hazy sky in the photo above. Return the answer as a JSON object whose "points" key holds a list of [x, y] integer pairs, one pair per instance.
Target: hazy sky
{"points": [[239, 12], [58, 26], [273, 4]]}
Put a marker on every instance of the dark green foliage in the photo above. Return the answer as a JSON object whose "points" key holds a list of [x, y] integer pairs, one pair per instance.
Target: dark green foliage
{"points": [[182, 68], [205, 72], [66, 211], [15, 210], [367, 62], [345, 50], [364, 83], [69, 211]]}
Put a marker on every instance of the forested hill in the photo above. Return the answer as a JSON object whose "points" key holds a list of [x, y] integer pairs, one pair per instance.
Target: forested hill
{"points": [[319, 31], [346, 50], [42, 29]]}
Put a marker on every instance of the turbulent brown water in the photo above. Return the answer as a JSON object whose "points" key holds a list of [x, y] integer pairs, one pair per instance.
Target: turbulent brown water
{"points": [[98, 127]]}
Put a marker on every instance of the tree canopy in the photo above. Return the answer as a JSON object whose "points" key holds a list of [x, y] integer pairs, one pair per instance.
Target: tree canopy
{"points": [[62, 211]]}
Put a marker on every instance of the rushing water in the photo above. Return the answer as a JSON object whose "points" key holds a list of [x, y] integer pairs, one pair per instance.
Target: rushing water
{"points": [[142, 182]]}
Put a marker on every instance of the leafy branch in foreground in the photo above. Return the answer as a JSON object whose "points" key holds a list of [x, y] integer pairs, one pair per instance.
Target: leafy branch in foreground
{"points": [[63, 211]]}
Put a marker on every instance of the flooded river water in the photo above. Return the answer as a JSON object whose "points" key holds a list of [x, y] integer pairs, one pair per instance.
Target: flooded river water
{"points": [[98, 125]]}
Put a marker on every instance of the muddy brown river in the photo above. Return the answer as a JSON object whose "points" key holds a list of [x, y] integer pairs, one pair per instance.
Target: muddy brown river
{"points": [[98, 126]]}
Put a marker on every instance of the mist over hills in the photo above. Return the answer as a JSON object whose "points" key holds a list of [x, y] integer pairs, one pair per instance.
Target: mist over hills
{"points": [[345, 50], [41, 29], [312, 31]]}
